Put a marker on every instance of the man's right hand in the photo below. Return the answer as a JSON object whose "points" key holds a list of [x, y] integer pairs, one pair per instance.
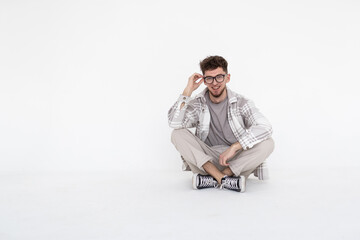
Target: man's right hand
{"points": [[192, 84]]}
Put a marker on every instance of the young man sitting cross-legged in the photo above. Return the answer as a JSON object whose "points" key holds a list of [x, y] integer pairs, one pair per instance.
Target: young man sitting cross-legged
{"points": [[232, 139]]}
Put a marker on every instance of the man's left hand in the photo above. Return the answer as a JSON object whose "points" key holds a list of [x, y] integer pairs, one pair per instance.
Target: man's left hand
{"points": [[229, 153]]}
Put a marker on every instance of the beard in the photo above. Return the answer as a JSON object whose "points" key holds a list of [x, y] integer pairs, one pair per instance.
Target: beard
{"points": [[217, 95]]}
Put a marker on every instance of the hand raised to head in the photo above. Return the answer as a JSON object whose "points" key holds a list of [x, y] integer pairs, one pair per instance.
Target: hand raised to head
{"points": [[193, 83]]}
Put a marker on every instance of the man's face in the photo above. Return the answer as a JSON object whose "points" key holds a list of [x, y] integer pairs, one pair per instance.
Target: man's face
{"points": [[216, 89]]}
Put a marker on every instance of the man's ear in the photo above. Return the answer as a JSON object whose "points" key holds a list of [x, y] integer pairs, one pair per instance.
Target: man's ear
{"points": [[227, 78]]}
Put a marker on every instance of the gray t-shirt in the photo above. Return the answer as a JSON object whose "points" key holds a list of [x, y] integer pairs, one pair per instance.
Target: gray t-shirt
{"points": [[220, 132]]}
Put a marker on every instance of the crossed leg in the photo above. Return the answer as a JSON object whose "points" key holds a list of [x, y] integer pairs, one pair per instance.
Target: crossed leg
{"points": [[203, 159]]}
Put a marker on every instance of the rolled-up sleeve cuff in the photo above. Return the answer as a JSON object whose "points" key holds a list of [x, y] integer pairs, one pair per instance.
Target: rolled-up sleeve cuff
{"points": [[248, 142], [243, 145], [183, 99]]}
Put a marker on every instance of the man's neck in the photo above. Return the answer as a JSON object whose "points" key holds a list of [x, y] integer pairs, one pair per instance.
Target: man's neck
{"points": [[220, 98]]}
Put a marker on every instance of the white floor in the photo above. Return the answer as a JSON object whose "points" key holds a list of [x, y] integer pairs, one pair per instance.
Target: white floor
{"points": [[293, 204]]}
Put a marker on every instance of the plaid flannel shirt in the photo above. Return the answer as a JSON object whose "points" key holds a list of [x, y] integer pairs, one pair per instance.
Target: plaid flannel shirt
{"points": [[249, 126]]}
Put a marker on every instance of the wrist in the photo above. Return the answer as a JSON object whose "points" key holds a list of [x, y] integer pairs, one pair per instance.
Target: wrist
{"points": [[187, 92], [236, 146]]}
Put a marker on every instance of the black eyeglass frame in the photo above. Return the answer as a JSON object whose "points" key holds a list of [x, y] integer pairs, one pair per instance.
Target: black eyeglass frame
{"points": [[214, 78]]}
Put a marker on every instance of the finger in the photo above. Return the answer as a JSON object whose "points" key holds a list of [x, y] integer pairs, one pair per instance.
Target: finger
{"points": [[194, 77], [220, 162], [223, 162], [197, 76], [199, 81]]}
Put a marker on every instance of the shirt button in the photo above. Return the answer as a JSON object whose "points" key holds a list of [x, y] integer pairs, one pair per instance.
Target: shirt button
{"points": [[184, 98]]}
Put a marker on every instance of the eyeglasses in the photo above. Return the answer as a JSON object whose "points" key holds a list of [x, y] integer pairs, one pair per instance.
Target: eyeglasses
{"points": [[219, 78]]}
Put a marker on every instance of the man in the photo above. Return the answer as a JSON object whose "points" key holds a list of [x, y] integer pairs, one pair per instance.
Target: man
{"points": [[232, 138]]}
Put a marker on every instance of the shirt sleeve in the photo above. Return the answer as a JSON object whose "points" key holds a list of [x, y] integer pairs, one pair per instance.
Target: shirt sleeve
{"points": [[257, 127], [186, 117]]}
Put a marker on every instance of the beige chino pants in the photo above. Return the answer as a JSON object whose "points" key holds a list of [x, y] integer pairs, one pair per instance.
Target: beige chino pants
{"points": [[196, 153]]}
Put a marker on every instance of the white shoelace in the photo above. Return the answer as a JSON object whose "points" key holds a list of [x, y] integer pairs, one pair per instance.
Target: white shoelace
{"points": [[206, 181], [230, 183]]}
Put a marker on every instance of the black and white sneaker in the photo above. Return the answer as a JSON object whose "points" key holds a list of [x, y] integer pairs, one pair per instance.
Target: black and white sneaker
{"points": [[233, 183], [204, 181]]}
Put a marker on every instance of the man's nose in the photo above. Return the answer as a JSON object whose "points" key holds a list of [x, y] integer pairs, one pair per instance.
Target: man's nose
{"points": [[215, 82]]}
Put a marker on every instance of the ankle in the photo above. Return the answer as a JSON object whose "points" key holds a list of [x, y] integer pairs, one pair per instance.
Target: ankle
{"points": [[227, 172], [220, 178]]}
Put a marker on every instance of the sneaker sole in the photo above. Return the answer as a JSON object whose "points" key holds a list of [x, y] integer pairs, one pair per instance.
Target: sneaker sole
{"points": [[194, 181], [243, 183]]}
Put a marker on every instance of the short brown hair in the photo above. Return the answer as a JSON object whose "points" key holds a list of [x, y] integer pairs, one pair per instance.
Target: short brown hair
{"points": [[213, 62]]}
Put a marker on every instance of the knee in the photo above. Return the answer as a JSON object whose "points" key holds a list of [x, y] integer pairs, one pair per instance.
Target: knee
{"points": [[271, 145], [178, 133], [268, 146]]}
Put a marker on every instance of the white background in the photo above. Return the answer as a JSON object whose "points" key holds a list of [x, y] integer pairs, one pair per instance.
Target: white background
{"points": [[85, 86]]}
